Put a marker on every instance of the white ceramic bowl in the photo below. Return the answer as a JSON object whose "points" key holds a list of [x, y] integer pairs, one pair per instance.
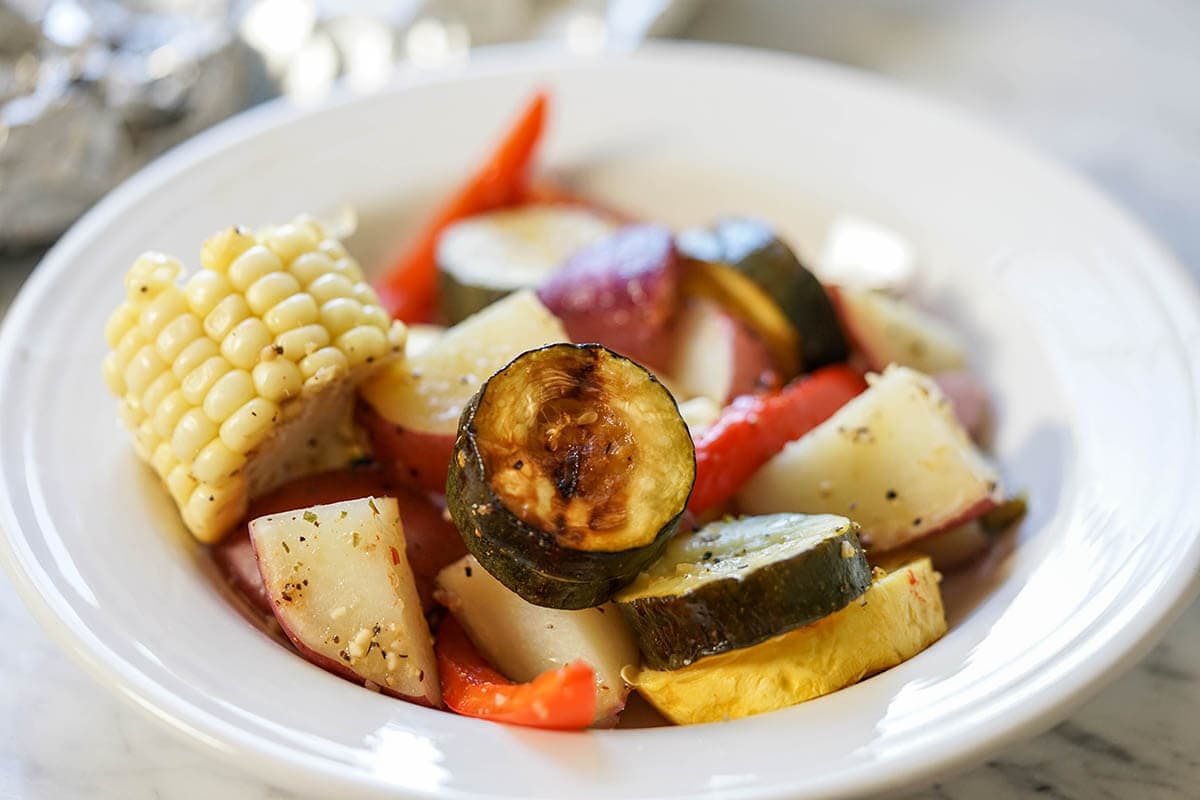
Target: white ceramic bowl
{"points": [[1084, 327]]}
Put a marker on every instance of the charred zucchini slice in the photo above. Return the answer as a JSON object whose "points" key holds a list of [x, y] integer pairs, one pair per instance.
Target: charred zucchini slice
{"points": [[488, 256], [571, 469], [751, 247], [739, 582]]}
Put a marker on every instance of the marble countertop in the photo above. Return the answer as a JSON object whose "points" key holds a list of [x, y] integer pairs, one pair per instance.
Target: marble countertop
{"points": [[1106, 85]]}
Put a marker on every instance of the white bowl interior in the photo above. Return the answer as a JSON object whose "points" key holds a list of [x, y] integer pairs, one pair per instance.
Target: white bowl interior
{"points": [[1082, 327]]}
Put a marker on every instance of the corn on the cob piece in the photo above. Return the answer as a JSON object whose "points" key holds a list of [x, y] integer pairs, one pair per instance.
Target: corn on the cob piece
{"points": [[243, 376]]}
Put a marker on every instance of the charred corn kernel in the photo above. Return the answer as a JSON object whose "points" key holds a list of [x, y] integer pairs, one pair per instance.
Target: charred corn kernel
{"points": [[159, 388], [220, 249], [255, 263], [329, 287], [244, 344], [227, 313], [300, 342], [178, 334], [216, 463], [249, 425], [327, 358], [180, 483], [143, 368], [297, 310], [169, 412], [290, 240], [363, 344], [193, 431], [278, 380], [311, 267], [204, 290], [213, 369], [271, 290], [340, 315], [230, 392], [119, 323]]}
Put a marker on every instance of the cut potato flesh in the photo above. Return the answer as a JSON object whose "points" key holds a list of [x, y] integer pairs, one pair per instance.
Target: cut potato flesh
{"points": [[888, 330], [717, 355], [895, 460], [427, 393], [523, 640], [342, 589], [899, 616]]}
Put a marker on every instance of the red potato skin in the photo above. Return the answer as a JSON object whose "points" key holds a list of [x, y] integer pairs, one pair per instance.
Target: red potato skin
{"points": [[969, 398], [753, 367], [974, 511], [408, 457], [432, 541], [859, 356], [620, 292]]}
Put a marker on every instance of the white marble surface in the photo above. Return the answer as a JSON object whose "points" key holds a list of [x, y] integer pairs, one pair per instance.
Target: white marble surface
{"points": [[1106, 85]]}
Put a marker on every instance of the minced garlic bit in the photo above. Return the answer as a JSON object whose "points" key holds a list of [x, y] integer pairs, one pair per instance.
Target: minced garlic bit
{"points": [[847, 549], [359, 644]]}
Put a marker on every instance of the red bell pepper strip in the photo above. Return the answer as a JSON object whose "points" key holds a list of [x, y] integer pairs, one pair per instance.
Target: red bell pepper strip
{"points": [[559, 699], [755, 427], [409, 289]]}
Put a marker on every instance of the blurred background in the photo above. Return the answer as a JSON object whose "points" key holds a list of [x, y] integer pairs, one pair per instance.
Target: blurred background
{"points": [[92, 89]]}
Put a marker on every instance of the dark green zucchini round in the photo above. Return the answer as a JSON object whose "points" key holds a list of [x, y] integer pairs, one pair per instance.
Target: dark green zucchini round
{"points": [[736, 583], [752, 248], [571, 469]]}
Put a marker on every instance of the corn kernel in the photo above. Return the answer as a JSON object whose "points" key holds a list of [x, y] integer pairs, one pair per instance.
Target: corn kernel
{"points": [[374, 315], [271, 290], [197, 382], [169, 412], [297, 310], [310, 224], [143, 368], [131, 414], [229, 393], [155, 315], [330, 286], [251, 265], [397, 335], [363, 344], [178, 334], [289, 241], [348, 267], [204, 290], [216, 463], [220, 249], [244, 344], [113, 374], [192, 356], [333, 248], [180, 484], [340, 315], [163, 458], [278, 379], [159, 388], [213, 510], [119, 323], [145, 440], [194, 431], [325, 359], [128, 347], [249, 425], [149, 275], [311, 266], [364, 294], [229, 312], [299, 342]]}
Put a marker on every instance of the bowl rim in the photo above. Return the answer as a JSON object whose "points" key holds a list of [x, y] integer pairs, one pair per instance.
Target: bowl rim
{"points": [[238, 746]]}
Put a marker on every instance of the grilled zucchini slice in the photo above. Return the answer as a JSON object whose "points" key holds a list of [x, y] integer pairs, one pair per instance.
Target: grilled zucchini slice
{"points": [[571, 469], [898, 617], [737, 583], [751, 247], [488, 256]]}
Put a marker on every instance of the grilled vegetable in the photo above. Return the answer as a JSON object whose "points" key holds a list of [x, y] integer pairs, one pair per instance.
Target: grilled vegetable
{"points": [[752, 429], [744, 299], [969, 399], [488, 256], [243, 378], [342, 590], [619, 292], [409, 289], [737, 583], [898, 617], [889, 330], [416, 403], [717, 355], [523, 640], [571, 469], [558, 699], [753, 249], [894, 459]]}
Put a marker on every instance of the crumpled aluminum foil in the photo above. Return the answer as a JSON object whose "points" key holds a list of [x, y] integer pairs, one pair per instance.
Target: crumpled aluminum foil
{"points": [[92, 89]]}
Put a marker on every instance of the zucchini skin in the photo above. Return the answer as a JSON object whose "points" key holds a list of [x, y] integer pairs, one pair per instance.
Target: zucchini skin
{"points": [[460, 300], [752, 248], [675, 631], [524, 558]]}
